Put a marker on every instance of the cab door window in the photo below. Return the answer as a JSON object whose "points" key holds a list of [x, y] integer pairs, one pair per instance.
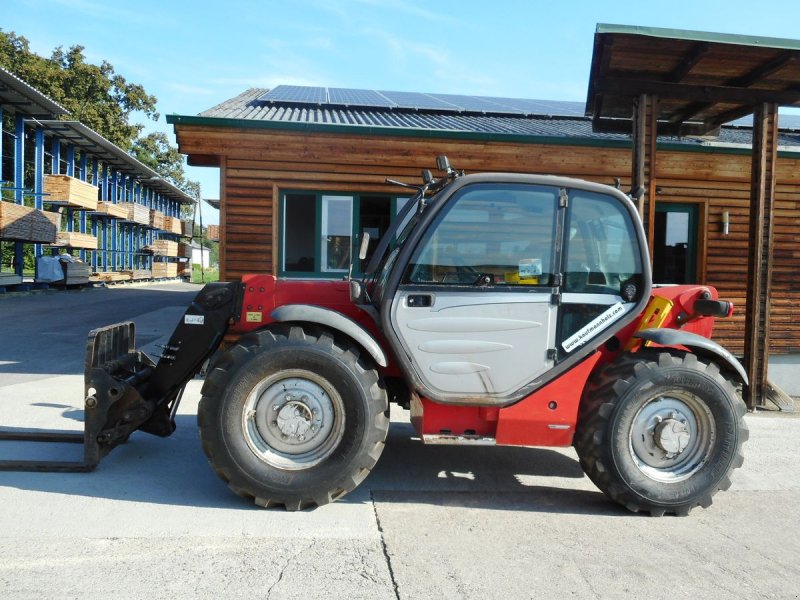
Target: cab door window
{"points": [[497, 234]]}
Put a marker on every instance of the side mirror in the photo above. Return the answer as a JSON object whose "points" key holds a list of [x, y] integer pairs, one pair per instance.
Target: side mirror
{"points": [[362, 251], [427, 176], [443, 163]]}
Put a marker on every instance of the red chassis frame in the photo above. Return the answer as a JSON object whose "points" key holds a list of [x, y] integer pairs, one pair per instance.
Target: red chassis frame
{"points": [[547, 417]]}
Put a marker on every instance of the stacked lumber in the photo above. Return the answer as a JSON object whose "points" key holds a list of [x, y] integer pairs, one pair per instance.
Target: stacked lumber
{"points": [[184, 269], [110, 277], [186, 229], [156, 219], [136, 213], [76, 273], [73, 239], [165, 269], [164, 248], [112, 210], [137, 274], [25, 224], [173, 225], [185, 250], [212, 233], [69, 191]]}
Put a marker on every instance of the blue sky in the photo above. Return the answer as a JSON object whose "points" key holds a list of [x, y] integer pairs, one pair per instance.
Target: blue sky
{"points": [[194, 54]]}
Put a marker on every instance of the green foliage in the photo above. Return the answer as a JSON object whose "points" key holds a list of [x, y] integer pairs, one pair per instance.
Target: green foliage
{"points": [[100, 98], [95, 95], [204, 275]]}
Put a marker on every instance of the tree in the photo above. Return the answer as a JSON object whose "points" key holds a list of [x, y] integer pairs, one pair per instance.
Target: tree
{"points": [[100, 98], [95, 95]]}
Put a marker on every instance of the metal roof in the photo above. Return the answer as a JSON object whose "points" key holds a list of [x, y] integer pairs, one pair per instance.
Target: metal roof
{"points": [[248, 110], [16, 95], [702, 80], [88, 140]]}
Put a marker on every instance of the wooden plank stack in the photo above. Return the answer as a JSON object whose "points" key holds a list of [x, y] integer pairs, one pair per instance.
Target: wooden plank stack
{"points": [[185, 250], [186, 228], [156, 219], [212, 233], [165, 269], [25, 224], [69, 191], [173, 225], [76, 273], [164, 247], [136, 213], [112, 210], [73, 239], [110, 276]]}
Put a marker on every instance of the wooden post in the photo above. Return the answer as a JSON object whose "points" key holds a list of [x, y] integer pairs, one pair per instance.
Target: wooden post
{"points": [[643, 175], [762, 201]]}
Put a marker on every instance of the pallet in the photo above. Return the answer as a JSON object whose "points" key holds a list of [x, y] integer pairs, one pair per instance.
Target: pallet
{"points": [[76, 273], [64, 190], [25, 224]]}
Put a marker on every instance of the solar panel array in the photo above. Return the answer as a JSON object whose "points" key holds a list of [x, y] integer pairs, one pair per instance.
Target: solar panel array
{"points": [[346, 97]]}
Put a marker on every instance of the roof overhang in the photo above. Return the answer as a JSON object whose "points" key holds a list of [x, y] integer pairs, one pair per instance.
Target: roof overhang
{"points": [[18, 96], [88, 140], [702, 80]]}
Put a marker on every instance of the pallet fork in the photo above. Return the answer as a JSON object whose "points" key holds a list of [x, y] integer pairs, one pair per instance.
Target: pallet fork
{"points": [[125, 390]]}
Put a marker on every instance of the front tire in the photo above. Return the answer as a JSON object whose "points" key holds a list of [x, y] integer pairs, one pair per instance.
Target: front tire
{"points": [[661, 432], [291, 416]]}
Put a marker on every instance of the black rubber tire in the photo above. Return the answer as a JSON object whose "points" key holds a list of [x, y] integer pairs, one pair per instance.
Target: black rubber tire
{"points": [[606, 420], [255, 357]]}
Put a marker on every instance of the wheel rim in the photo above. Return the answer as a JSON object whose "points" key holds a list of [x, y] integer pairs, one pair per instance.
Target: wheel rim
{"points": [[672, 436], [293, 419]]}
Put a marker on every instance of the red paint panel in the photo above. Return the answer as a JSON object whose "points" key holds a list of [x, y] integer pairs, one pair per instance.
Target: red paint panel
{"points": [[531, 422]]}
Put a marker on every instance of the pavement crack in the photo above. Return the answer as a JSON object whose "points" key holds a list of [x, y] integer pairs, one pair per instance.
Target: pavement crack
{"points": [[286, 566], [384, 548]]}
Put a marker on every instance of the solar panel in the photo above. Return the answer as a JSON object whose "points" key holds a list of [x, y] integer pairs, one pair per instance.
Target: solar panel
{"points": [[299, 94], [476, 104], [351, 97], [417, 100]]}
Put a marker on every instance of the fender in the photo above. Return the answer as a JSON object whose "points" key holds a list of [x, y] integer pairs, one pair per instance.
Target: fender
{"points": [[334, 320], [673, 337]]}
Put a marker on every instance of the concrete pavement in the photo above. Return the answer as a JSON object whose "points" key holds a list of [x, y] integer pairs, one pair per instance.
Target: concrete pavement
{"points": [[456, 522]]}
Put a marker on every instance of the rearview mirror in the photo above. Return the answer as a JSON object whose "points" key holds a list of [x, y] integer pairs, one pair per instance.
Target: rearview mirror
{"points": [[362, 252], [443, 163]]}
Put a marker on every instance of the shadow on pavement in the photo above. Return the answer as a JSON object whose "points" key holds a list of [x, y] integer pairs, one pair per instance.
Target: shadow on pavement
{"points": [[175, 471]]}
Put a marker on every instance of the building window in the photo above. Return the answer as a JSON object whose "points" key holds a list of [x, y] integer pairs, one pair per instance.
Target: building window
{"points": [[319, 231]]}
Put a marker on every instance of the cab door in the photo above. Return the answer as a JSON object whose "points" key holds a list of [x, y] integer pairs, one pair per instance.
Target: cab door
{"points": [[474, 311]]}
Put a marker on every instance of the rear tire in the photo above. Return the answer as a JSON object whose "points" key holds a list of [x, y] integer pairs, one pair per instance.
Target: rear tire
{"points": [[291, 416], [661, 432]]}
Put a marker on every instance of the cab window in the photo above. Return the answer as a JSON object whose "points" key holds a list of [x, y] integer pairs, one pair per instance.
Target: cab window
{"points": [[500, 234]]}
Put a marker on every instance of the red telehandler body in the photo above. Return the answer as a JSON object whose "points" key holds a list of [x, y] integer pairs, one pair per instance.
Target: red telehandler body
{"points": [[501, 309]]}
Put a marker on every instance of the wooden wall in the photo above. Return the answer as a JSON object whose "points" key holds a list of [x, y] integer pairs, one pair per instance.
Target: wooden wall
{"points": [[257, 164]]}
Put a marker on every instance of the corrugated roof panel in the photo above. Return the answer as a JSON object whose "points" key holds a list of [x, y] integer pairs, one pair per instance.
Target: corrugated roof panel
{"points": [[247, 106]]}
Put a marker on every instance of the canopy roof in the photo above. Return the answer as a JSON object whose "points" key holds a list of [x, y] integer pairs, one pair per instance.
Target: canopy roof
{"points": [[701, 79]]}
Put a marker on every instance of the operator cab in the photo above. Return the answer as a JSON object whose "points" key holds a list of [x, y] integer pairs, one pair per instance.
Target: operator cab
{"points": [[498, 283]]}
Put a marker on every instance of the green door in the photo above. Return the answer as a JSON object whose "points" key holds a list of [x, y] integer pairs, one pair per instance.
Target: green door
{"points": [[675, 243]]}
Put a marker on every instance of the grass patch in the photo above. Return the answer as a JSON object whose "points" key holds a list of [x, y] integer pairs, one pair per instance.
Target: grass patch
{"points": [[207, 275]]}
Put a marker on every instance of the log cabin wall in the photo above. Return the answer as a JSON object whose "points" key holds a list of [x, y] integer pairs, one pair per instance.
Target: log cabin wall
{"points": [[257, 165]]}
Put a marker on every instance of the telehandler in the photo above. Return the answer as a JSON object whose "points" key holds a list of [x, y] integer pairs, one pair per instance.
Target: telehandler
{"points": [[501, 309]]}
